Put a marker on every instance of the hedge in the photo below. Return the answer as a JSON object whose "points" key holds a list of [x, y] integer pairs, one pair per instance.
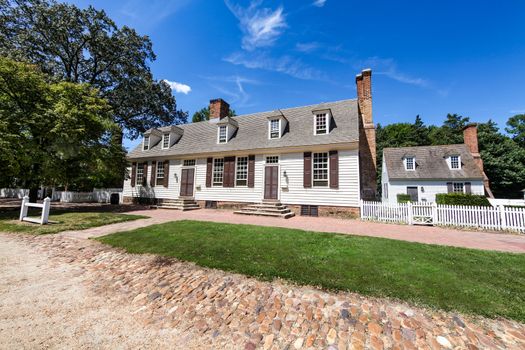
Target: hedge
{"points": [[403, 198], [462, 199]]}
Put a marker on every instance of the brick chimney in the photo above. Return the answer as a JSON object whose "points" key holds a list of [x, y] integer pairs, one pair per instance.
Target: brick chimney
{"points": [[219, 108], [470, 138], [367, 136]]}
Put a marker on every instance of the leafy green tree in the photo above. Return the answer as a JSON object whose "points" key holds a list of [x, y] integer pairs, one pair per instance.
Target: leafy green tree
{"points": [[451, 132], [204, 114], [516, 128], [503, 160], [86, 46], [54, 134]]}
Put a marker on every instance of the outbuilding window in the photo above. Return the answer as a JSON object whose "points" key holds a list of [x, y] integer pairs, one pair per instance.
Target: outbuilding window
{"points": [[458, 187], [410, 163], [145, 143], [455, 162]]}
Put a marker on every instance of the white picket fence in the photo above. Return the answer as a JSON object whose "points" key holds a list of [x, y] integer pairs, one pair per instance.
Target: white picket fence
{"points": [[99, 195], [492, 218]]}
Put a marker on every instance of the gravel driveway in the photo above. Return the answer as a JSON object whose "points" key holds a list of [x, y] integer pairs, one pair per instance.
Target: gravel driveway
{"points": [[61, 293]]}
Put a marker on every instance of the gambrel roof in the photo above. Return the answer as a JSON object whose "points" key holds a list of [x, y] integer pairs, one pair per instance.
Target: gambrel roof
{"points": [[431, 163], [252, 132]]}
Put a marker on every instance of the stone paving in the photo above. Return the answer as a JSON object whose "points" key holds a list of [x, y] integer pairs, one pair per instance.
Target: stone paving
{"points": [[224, 310]]}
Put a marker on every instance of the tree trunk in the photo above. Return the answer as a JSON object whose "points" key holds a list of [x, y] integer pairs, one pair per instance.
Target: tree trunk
{"points": [[33, 194]]}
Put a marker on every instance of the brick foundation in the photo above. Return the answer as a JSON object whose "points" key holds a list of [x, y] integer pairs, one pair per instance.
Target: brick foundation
{"points": [[324, 210]]}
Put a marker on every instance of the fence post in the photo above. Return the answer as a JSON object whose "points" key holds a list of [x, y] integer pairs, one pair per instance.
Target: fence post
{"points": [[45, 211], [361, 209], [503, 217], [410, 213], [434, 213], [23, 209]]}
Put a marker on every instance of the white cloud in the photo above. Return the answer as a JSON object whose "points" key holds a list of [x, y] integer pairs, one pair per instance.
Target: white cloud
{"points": [[284, 64], [260, 26], [319, 3], [178, 87], [307, 47], [233, 88], [388, 67]]}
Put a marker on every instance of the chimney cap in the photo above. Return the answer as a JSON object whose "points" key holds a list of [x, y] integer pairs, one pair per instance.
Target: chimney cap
{"points": [[367, 71], [218, 100], [470, 125]]}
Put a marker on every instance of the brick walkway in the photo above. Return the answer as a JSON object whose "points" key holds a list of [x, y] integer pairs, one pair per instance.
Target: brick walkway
{"points": [[423, 234], [201, 308]]}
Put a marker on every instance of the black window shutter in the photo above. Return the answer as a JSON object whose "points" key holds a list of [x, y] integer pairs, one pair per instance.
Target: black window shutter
{"points": [[449, 187], [209, 170], [468, 188], [251, 171], [307, 172], [334, 169]]}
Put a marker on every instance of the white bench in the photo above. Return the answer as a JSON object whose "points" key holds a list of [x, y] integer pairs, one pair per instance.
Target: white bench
{"points": [[44, 218]]}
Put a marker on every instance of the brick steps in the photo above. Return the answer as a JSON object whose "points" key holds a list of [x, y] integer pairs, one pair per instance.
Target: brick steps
{"points": [[183, 204], [274, 209]]}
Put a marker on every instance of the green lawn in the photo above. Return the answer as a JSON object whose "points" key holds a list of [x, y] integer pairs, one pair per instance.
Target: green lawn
{"points": [[470, 281], [61, 221]]}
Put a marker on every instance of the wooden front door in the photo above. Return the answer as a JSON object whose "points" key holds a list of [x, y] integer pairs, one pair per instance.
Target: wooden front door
{"points": [[186, 182], [271, 182]]}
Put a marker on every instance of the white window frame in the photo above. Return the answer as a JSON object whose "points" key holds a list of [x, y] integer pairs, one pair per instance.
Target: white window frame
{"points": [[140, 171], [458, 183], [145, 145], [327, 170], [450, 164], [327, 123], [158, 172], [279, 123], [413, 163], [164, 140], [244, 171], [219, 140], [214, 183]]}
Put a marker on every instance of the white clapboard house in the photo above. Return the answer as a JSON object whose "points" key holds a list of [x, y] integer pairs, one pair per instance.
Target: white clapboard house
{"points": [[316, 159], [424, 171]]}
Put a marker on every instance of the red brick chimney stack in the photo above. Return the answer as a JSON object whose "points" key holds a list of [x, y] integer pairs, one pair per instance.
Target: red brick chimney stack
{"points": [[219, 108], [470, 138], [367, 135]]}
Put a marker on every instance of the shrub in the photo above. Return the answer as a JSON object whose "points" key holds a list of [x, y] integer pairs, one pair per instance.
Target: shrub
{"points": [[403, 198], [461, 199]]}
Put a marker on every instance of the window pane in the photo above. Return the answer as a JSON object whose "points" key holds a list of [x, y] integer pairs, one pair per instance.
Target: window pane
{"points": [[410, 163], [320, 169], [242, 171], [222, 134], [160, 170], [166, 141], [188, 162], [320, 124], [140, 174], [458, 187], [454, 162], [146, 143], [218, 170], [272, 160], [274, 128]]}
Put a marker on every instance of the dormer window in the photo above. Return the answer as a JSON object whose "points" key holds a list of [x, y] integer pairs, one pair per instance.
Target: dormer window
{"points": [[410, 163], [321, 123], [165, 141], [455, 162], [275, 128], [145, 143], [223, 134]]}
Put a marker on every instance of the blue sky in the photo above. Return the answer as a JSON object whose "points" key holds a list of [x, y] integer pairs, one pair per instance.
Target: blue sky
{"points": [[428, 57]]}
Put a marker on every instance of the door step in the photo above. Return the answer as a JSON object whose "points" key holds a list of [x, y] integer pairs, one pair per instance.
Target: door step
{"points": [[274, 209], [182, 203]]}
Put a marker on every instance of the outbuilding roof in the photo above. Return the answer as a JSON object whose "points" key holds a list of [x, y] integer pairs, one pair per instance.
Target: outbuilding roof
{"points": [[252, 132], [431, 163]]}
